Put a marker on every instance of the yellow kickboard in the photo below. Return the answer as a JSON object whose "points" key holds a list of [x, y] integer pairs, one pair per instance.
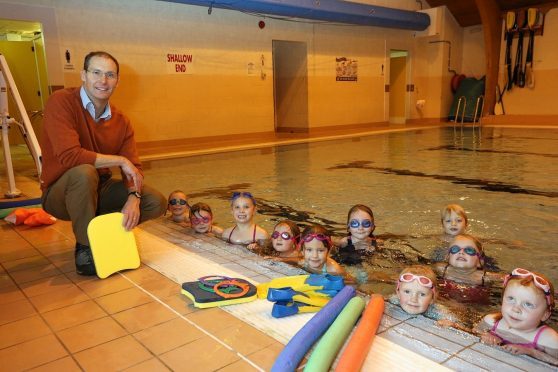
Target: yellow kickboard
{"points": [[113, 247]]}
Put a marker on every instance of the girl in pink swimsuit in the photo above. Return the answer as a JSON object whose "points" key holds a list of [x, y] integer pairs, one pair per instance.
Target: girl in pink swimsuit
{"points": [[245, 231], [527, 303]]}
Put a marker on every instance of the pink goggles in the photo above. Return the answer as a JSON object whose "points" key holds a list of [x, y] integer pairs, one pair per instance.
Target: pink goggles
{"points": [[320, 237], [422, 280], [539, 281], [200, 220]]}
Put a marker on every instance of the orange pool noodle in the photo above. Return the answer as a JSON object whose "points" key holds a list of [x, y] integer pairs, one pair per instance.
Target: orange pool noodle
{"points": [[359, 344], [18, 216], [40, 218]]}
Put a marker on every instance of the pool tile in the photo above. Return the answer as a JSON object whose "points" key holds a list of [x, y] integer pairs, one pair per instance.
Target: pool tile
{"points": [[213, 319], [144, 316], [458, 364], [485, 361], [204, 354], [162, 288], [5, 280], [25, 263], [54, 248], [519, 361], [10, 293], [143, 274], [16, 310], [102, 287], [244, 338], [150, 365], [74, 315], [169, 335], [31, 353], [58, 298], [429, 325], [123, 300], [46, 285], [239, 366], [115, 355], [41, 234], [396, 312], [180, 303], [265, 358], [22, 330], [66, 364], [401, 336], [35, 273], [90, 334], [13, 252]]}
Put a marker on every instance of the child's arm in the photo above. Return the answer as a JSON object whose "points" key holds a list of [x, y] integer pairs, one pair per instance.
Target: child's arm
{"points": [[482, 330], [548, 341], [339, 242], [334, 268], [217, 231]]}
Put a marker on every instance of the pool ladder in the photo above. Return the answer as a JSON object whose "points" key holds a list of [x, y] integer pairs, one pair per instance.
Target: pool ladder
{"points": [[476, 118]]}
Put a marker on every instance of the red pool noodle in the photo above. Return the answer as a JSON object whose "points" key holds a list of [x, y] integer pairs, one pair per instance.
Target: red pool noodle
{"points": [[359, 344]]}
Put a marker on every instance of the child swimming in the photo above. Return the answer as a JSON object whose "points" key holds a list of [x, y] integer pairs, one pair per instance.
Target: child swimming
{"points": [[178, 207], [284, 239], [527, 302], [463, 276], [315, 245], [245, 231], [454, 220], [360, 241], [201, 219]]}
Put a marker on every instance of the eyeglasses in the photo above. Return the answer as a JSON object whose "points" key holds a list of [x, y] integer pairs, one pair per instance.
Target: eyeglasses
{"points": [[539, 281], [284, 235], [98, 74], [423, 280], [320, 237], [468, 250], [364, 223], [178, 201], [197, 221]]}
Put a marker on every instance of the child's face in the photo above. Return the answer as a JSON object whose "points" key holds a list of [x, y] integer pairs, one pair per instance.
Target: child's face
{"points": [[454, 224], [524, 307], [201, 221], [279, 243], [414, 298], [177, 204], [356, 228], [243, 209], [315, 254], [461, 259]]}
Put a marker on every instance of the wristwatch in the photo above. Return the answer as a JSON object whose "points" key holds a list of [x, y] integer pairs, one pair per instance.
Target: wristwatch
{"points": [[135, 193]]}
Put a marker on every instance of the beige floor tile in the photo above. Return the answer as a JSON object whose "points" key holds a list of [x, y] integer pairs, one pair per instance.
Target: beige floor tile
{"points": [[78, 279], [41, 234], [123, 300], [144, 316], [25, 263], [73, 315], [214, 319], [66, 364], [59, 298], [45, 285], [204, 354], [22, 330], [265, 358], [239, 366], [102, 287], [64, 263], [15, 252], [180, 303], [115, 355], [91, 334], [167, 336], [5, 280], [31, 353], [144, 274], [162, 288], [244, 338], [35, 273], [52, 248], [10, 294], [16, 310], [151, 365]]}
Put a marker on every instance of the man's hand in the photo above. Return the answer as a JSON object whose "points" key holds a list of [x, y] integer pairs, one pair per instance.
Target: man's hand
{"points": [[132, 173], [131, 211]]}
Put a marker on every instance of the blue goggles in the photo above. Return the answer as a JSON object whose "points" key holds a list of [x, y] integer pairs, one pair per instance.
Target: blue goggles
{"points": [[468, 250], [364, 223], [243, 194]]}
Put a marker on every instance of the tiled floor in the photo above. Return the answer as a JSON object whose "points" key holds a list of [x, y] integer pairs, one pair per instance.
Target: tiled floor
{"points": [[53, 319]]}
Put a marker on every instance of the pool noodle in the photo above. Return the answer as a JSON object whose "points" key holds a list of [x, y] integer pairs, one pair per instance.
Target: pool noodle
{"points": [[331, 342], [16, 203], [358, 346], [303, 340]]}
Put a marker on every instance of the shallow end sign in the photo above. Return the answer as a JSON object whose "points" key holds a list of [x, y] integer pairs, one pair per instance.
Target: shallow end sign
{"points": [[179, 63]]}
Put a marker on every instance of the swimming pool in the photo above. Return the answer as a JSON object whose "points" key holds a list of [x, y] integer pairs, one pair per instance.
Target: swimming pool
{"points": [[506, 181]]}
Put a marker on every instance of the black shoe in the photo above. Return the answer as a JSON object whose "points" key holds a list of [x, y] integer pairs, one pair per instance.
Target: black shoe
{"points": [[84, 260]]}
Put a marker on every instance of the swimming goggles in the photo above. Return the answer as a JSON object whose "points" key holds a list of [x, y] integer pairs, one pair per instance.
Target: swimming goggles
{"points": [[178, 201], [364, 223], [422, 280], [197, 221], [468, 250], [539, 281], [243, 194], [284, 235], [320, 237]]}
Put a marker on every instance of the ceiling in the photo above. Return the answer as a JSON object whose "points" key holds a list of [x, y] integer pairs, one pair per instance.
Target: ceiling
{"points": [[466, 14], [19, 30]]}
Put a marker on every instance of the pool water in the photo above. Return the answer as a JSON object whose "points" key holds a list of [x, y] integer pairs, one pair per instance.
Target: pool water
{"points": [[506, 179]]}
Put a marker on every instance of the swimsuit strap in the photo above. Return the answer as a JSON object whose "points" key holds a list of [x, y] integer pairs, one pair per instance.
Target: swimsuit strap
{"points": [[495, 325], [536, 339], [230, 234], [324, 268], [483, 274], [254, 234], [444, 273]]}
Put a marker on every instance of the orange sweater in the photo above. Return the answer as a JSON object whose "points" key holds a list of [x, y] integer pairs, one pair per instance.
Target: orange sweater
{"points": [[71, 137]]}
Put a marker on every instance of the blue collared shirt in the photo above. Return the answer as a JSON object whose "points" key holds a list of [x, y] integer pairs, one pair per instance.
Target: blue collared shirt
{"points": [[88, 105]]}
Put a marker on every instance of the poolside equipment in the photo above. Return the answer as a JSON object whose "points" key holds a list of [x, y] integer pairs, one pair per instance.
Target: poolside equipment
{"points": [[215, 290], [518, 71], [331, 342], [511, 26], [17, 203], [532, 21], [19, 215], [303, 340], [358, 346], [113, 247], [323, 283], [290, 302], [468, 101]]}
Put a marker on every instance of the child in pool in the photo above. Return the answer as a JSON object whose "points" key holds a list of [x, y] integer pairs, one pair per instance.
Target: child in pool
{"points": [[454, 222], [201, 219], [178, 207], [315, 245], [527, 302], [245, 231], [284, 239], [463, 276], [360, 241]]}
